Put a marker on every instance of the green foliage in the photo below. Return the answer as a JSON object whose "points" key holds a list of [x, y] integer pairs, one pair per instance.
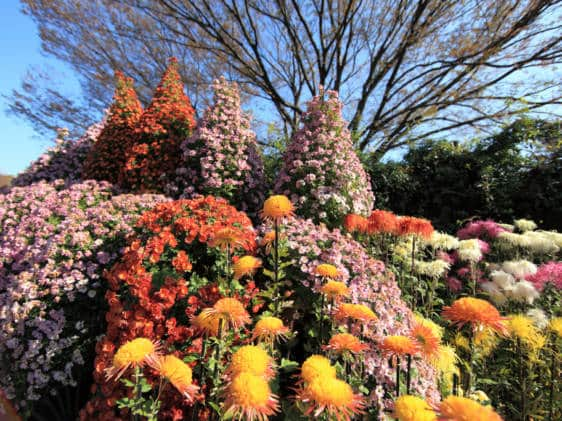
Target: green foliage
{"points": [[514, 173]]}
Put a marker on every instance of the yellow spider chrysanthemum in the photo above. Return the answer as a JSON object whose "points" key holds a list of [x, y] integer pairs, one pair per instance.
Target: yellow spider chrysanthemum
{"points": [[335, 290], [135, 353], [246, 265], [358, 312], [485, 341], [251, 359], [276, 208], [331, 396], [248, 397], [178, 374], [522, 327], [412, 408], [556, 325], [345, 342], [327, 271], [229, 310], [456, 408], [268, 329], [398, 345], [317, 366]]}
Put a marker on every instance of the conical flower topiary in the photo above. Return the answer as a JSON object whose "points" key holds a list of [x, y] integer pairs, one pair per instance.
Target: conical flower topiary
{"points": [[155, 152], [321, 172], [107, 156], [221, 158]]}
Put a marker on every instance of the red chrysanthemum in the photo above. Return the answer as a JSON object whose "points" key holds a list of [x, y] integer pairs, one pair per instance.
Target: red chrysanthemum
{"points": [[408, 225], [381, 221], [355, 223]]}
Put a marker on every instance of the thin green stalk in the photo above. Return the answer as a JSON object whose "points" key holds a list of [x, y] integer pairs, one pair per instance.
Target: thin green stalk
{"points": [[218, 350], [553, 378], [397, 376], [276, 265], [321, 322], [408, 374], [522, 381]]}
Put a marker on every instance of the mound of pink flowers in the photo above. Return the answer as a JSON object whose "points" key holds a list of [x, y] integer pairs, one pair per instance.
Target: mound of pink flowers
{"points": [[321, 172], [63, 161], [221, 158], [370, 284], [55, 243]]}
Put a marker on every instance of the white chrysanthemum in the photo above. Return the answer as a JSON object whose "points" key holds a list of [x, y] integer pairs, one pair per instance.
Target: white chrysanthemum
{"points": [[517, 240], [502, 279], [494, 291], [442, 241], [540, 243], [556, 237], [524, 291], [525, 225], [508, 227], [539, 317], [519, 268], [469, 250], [433, 269]]}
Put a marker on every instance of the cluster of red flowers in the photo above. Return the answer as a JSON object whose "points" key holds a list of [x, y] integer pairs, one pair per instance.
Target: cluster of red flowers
{"points": [[107, 156], [155, 153], [149, 294], [381, 221]]}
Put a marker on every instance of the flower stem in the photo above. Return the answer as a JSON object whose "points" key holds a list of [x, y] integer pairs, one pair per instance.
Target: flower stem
{"points": [[408, 374], [397, 376], [276, 264], [522, 382], [218, 350], [321, 323], [553, 377]]}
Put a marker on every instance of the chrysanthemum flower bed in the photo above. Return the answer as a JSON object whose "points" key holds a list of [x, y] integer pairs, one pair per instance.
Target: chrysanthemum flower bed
{"points": [[55, 242]]}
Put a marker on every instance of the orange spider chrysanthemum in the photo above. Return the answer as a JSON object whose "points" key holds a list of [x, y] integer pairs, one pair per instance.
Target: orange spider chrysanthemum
{"points": [[268, 240], [355, 223], [178, 374], [276, 208], [227, 237], [251, 359], [408, 225], [248, 397], [476, 312], [268, 329], [317, 366], [335, 290], [345, 342], [381, 221], [229, 310], [456, 408], [246, 265], [358, 312], [209, 326], [327, 271], [426, 339], [398, 346], [333, 397], [135, 353]]}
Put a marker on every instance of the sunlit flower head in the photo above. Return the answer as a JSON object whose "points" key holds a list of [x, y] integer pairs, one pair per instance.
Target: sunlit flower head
{"points": [[556, 325], [476, 312], [539, 317], [432, 269], [446, 360], [398, 346], [227, 237], [524, 292], [251, 359], [345, 342], [268, 240], [442, 241], [456, 408], [520, 269], [525, 225], [469, 250], [335, 290], [246, 265], [230, 311], [412, 408], [317, 366], [276, 208], [409, 225], [358, 312], [327, 271], [485, 341], [355, 223], [268, 329], [522, 327], [177, 373], [424, 336], [206, 325], [435, 328], [248, 397], [135, 353], [332, 397], [381, 221]]}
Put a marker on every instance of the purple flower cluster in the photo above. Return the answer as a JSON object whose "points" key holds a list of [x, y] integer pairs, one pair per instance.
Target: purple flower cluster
{"points": [[550, 272], [486, 230], [61, 162], [369, 284], [55, 242], [321, 172], [221, 158]]}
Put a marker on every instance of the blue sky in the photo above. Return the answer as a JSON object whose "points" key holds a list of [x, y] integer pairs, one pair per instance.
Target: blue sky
{"points": [[20, 48]]}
